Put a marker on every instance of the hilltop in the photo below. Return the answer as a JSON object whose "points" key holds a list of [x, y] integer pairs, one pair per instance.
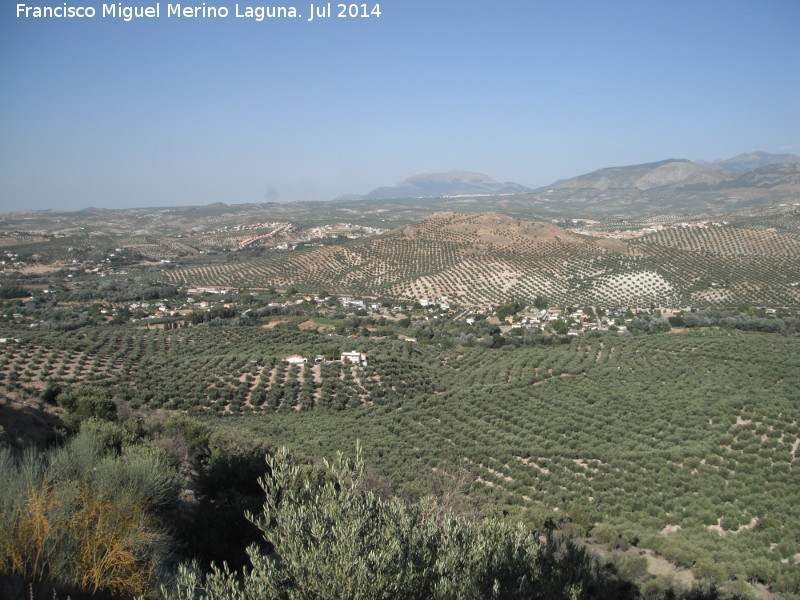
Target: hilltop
{"points": [[488, 259], [484, 229]]}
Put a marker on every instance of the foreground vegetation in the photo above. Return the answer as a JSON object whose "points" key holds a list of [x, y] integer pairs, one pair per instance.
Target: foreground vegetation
{"points": [[93, 520], [329, 537], [684, 443], [82, 519]]}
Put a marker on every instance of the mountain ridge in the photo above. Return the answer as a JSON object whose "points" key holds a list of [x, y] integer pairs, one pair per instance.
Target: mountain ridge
{"points": [[677, 173], [673, 185], [669, 174], [447, 183], [749, 161], [646, 176]]}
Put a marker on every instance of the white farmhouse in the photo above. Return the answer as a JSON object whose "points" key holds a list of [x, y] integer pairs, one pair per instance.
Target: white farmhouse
{"points": [[358, 358], [295, 359]]}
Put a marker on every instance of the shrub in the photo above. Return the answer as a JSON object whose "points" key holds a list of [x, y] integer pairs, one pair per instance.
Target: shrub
{"points": [[215, 529], [632, 567], [331, 538], [82, 520], [85, 401]]}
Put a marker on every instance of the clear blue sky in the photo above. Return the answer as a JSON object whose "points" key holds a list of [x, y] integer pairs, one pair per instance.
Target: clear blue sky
{"points": [[167, 111]]}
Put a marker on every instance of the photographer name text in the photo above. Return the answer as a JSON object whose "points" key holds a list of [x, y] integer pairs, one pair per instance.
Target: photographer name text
{"points": [[127, 13]]}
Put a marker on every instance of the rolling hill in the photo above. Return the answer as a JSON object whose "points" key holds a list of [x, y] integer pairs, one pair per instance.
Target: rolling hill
{"points": [[488, 259]]}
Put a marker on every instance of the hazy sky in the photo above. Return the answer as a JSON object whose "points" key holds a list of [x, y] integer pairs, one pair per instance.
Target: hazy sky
{"points": [[170, 111]]}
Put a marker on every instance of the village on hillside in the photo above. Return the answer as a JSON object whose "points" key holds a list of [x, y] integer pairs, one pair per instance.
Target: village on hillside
{"points": [[60, 307]]}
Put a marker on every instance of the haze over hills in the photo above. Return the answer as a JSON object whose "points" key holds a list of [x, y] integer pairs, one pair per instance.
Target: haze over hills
{"points": [[669, 173], [666, 173], [450, 183], [749, 161], [748, 181], [669, 187]]}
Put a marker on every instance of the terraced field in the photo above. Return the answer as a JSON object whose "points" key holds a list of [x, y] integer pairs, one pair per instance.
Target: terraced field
{"points": [[490, 259]]}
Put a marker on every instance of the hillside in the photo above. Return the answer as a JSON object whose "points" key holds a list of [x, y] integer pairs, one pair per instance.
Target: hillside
{"points": [[489, 259], [784, 175], [777, 169], [684, 443], [649, 176]]}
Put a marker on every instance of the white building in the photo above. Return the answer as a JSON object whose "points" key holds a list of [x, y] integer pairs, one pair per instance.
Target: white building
{"points": [[295, 359], [358, 358]]}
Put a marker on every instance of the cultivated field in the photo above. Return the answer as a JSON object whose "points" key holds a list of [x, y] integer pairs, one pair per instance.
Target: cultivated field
{"points": [[688, 443], [489, 259]]}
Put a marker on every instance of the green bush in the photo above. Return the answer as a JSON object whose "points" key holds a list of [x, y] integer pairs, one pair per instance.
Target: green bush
{"points": [[632, 567], [331, 538], [83, 402]]}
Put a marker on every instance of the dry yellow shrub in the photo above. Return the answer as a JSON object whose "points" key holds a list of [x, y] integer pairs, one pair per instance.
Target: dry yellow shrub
{"points": [[113, 541], [29, 553]]}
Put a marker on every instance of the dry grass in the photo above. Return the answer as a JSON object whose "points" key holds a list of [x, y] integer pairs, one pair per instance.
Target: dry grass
{"points": [[114, 538], [28, 553], [60, 531]]}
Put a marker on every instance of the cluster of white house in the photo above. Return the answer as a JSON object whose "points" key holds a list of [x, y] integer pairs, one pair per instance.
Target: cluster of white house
{"points": [[358, 358]]}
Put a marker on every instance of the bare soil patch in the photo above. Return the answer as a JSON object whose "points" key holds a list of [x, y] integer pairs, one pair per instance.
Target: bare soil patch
{"points": [[39, 269], [273, 324]]}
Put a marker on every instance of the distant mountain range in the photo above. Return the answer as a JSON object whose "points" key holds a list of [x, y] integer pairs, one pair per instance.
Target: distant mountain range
{"points": [[759, 169], [749, 161], [665, 173], [450, 183], [751, 169], [751, 181]]}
